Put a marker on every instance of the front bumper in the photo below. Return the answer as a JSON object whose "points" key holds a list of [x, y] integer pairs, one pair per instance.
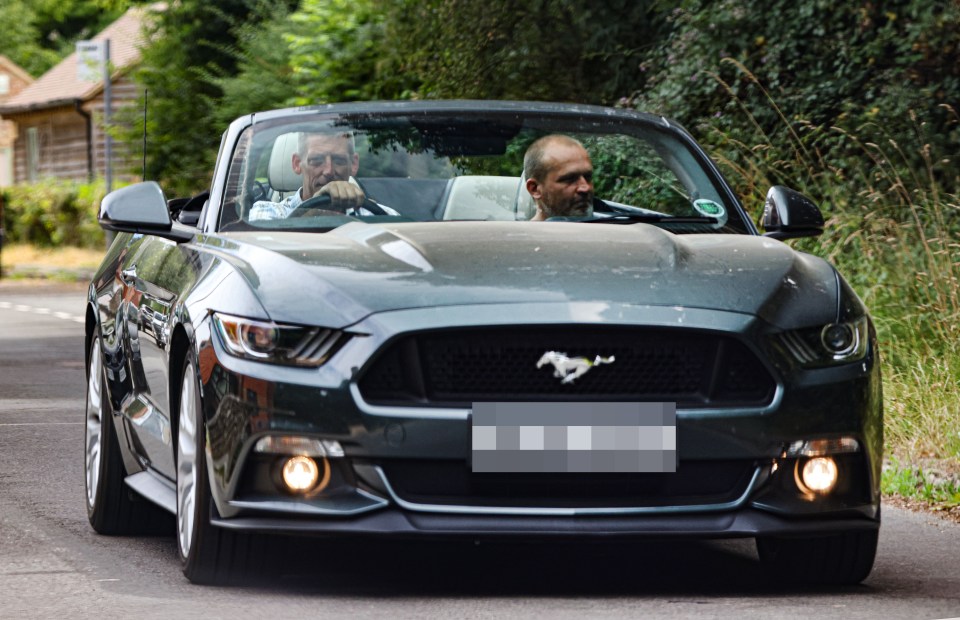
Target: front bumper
{"points": [[393, 521], [244, 401]]}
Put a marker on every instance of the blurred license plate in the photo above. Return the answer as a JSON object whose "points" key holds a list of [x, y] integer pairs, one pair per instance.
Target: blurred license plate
{"points": [[574, 437]]}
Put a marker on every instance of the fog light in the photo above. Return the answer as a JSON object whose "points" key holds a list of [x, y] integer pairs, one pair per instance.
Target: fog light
{"points": [[300, 473], [820, 474]]}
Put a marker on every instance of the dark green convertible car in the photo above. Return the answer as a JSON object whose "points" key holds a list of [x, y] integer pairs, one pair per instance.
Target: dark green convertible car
{"points": [[478, 319]]}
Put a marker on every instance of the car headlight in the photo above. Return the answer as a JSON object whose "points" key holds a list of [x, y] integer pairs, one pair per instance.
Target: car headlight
{"points": [[266, 341], [826, 345]]}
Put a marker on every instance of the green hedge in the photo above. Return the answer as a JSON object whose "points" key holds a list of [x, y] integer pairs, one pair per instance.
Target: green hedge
{"points": [[53, 213]]}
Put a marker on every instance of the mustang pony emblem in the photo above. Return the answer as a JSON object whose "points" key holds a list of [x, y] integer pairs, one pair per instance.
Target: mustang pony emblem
{"points": [[570, 367]]}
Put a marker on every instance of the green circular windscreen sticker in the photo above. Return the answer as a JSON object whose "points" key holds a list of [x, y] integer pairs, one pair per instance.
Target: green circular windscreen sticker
{"points": [[709, 208]]}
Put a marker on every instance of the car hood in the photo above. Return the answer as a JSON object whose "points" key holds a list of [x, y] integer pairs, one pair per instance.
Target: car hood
{"points": [[338, 278]]}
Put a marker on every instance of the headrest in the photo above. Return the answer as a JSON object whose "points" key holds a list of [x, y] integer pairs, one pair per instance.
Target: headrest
{"points": [[280, 171], [526, 208], [480, 198]]}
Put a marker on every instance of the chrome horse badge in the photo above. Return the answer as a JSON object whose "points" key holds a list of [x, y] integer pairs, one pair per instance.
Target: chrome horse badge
{"points": [[570, 368]]}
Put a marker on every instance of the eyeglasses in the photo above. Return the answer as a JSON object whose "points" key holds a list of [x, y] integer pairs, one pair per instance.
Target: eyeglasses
{"points": [[338, 160]]}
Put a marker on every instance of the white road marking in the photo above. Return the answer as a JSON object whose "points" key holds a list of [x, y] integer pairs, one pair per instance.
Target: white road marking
{"points": [[40, 423], [66, 316], [11, 404]]}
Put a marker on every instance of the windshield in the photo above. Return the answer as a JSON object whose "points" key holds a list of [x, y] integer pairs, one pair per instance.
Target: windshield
{"points": [[315, 173]]}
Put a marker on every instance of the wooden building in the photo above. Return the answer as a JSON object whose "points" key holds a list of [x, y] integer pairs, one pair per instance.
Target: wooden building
{"points": [[13, 79], [59, 118]]}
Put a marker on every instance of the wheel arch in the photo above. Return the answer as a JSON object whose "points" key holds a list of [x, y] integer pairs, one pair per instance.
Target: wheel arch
{"points": [[180, 344], [90, 324]]}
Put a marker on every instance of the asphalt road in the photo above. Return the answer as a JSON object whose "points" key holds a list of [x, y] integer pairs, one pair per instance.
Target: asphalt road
{"points": [[52, 565]]}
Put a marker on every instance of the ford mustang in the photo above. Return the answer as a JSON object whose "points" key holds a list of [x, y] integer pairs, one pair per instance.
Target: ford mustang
{"points": [[478, 319]]}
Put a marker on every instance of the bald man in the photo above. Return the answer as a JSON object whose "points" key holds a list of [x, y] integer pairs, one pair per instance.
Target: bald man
{"points": [[559, 177]]}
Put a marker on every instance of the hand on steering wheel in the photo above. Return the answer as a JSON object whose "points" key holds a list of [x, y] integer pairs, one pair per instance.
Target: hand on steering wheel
{"points": [[343, 195], [336, 198]]}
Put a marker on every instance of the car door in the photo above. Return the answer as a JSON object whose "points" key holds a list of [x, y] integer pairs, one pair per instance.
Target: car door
{"points": [[154, 277]]}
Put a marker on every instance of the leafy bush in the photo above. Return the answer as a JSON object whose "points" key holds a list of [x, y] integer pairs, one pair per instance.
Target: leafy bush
{"points": [[53, 213], [802, 84]]}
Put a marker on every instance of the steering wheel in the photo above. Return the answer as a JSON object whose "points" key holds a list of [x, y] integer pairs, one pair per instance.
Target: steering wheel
{"points": [[319, 204], [260, 191], [323, 202]]}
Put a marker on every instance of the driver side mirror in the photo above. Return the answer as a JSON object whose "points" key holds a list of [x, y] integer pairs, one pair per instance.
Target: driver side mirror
{"points": [[140, 208], [788, 214]]}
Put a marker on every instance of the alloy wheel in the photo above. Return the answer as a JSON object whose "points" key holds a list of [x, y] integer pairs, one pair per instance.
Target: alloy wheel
{"points": [[94, 424], [187, 461]]}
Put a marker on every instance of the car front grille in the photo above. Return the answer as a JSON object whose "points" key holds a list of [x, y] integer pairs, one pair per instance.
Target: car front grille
{"points": [[457, 368], [451, 483]]}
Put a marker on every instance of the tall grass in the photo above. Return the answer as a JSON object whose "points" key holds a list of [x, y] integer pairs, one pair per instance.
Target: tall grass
{"points": [[906, 266], [893, 230]]}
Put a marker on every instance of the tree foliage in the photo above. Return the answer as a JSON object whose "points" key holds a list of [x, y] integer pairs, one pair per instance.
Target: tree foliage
{"points": [[194, 45], [37, 34], [800, 88], [334, 47], [564, 50], [326, 51], [783, 88]]}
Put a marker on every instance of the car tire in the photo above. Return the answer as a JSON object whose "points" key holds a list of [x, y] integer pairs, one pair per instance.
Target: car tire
{"points": [[845, 558], [112, 508], [208, 554]]}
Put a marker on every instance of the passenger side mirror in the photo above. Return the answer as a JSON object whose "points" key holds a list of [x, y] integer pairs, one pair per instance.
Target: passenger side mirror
{"points": [[788, 214]]}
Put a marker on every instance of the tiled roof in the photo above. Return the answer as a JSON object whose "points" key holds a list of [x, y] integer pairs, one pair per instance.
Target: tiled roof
{"points": [[14, 69], [60, 85]]}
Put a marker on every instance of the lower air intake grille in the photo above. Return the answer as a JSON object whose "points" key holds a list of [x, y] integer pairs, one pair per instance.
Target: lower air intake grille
{"points": [[452, 483]]}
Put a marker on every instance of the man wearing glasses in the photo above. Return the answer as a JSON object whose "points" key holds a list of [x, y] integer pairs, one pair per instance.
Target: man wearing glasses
{"points": [[327, 163]]}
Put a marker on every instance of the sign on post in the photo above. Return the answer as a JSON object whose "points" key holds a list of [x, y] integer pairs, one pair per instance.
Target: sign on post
{"points": [[93, 65], [91, 56]]}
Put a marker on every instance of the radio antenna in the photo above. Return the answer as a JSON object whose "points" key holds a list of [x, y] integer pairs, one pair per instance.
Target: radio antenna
{"points": [[144, 134]]}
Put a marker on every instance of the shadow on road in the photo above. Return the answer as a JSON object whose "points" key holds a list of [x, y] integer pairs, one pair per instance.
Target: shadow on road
{"points": [[400, 569]]}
